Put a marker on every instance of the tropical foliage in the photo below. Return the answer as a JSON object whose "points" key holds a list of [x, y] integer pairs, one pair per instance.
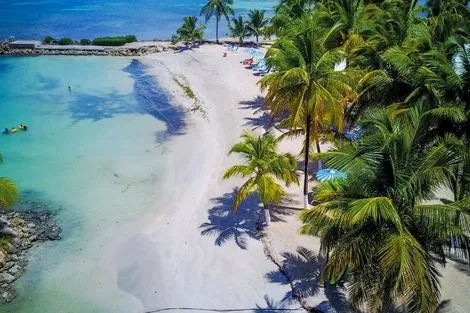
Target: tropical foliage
{"points": [[256, 23], [190, 32], [405, 79], [264, 167], [306, 86], [383, 234], [8, 192], [219, 9], [238, 29]]}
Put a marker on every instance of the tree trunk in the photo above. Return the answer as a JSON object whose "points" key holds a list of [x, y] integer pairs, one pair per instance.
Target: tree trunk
{"points": [[217, 30], [319, 163], [267, 215], [307, 152], [256, 39]]}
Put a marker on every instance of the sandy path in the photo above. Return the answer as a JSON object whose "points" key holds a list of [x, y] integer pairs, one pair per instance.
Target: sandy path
{"points": [[171, 263]]}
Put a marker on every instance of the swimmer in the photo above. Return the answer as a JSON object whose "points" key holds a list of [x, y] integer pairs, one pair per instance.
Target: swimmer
{"points": [[70, 89], [14, 130], [6, 131]]}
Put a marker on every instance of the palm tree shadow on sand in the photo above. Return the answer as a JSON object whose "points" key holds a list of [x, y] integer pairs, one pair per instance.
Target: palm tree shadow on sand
{"points": [[241, 225], [303, 269]]}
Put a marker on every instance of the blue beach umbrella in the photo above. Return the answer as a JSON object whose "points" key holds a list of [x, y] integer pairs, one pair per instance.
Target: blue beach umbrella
{"points": [[329, 174], [353, 134]]}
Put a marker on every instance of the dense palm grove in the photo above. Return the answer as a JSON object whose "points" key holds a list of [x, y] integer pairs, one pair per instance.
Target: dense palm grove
{"points": [[406, 86]]}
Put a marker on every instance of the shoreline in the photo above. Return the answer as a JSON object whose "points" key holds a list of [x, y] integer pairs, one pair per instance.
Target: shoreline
{"points": [[137, 49]]}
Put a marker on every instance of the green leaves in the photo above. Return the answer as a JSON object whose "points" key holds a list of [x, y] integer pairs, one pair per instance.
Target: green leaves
{"points": [[264, 167], [189, 31], [9, 193]]}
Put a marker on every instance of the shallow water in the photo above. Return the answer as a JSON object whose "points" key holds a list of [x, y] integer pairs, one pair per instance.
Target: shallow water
{"points": [[148, 19], [93, 155]]}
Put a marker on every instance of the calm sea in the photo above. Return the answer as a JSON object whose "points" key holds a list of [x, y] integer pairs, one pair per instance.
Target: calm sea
{"points": [[148, 19]]}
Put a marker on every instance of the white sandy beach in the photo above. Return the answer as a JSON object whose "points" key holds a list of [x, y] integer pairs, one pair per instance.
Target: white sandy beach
{"points": [[192, 252]]}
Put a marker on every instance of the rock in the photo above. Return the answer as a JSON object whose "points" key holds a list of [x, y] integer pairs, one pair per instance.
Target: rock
{"points": [[3, 258], [8, 231], [31, 225], [13, 257], [15, 270], [9, 264], [54, 233], [5, 277], [33, 238]]}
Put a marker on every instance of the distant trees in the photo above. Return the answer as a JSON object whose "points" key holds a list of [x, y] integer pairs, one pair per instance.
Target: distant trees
{"points": [[219, 9], [238, 29], [190, 32]]}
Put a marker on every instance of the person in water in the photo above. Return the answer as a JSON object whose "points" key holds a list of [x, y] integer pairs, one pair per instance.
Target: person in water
{"points": [[70, 89], [23, 127], [6, 131], [14, 130]]}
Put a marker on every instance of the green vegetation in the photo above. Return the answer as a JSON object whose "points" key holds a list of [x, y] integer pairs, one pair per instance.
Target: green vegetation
{"points": [[406, 83], [85, 42], [65, 41], [48, 39], [189, 32], [219, 8], [256, 23], [196, 107], [264, 166], [238, 29], [114, 41], [9, 193]]}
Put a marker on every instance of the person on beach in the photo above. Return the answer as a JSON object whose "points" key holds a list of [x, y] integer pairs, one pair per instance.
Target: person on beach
{"points": [[6, 131]]}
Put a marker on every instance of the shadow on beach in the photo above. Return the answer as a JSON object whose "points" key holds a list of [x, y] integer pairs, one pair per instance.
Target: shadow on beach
{"points": [[228, 225], [241, 225]]}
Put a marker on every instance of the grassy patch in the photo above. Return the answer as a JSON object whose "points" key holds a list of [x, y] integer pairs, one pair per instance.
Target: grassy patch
{"points": [[196, 107]]}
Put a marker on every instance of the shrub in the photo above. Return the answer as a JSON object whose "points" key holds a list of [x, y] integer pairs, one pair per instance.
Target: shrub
{"points": [[48, 39], [114, 41], [65, 41], [85, 42]]}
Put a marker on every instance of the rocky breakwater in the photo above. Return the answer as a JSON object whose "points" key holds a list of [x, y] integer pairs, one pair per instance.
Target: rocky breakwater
{"points": [[86, 50], [18, 233]]}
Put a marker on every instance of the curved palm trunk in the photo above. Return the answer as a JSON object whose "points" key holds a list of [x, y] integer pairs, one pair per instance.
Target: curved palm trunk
{"points": [[217, 30], [267, 215], [307, 152], [257, 39]]}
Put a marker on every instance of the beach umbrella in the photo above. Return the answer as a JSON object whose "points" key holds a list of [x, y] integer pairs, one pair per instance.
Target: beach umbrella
{"points": [[353, 134], [329, 174]]}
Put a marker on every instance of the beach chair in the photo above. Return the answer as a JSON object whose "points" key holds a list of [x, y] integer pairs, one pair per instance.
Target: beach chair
{"points": [[232, 48], [260, 65]]}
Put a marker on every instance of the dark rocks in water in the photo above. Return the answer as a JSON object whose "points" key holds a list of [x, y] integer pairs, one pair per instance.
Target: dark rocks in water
{"points": [[21, 231]]}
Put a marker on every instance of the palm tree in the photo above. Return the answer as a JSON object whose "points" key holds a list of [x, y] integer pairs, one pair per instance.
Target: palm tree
{"points": [[238, 29], [307, 87], [263, 167], [218, 8], [189, 31], [383, 235], [256, 23], [8, 192]]}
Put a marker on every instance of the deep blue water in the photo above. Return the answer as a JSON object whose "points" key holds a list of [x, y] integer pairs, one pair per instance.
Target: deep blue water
{"points": [[148, 19]]}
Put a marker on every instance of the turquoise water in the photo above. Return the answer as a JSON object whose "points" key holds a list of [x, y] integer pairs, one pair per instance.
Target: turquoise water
{"points": [[148, 19], [94, 156]]}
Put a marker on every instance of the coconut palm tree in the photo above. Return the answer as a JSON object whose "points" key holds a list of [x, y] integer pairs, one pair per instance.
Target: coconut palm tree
{"points": [[8, 192], [378, 227], [189, 31], [263, 167], [219, 8], [256, 23], [238, 29], [307, 88]]}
